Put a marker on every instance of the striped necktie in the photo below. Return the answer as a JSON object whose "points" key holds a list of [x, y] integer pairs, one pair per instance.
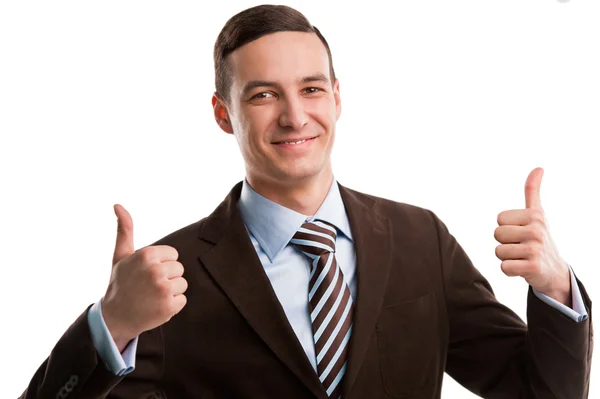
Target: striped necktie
{"points": [[330, 303]]}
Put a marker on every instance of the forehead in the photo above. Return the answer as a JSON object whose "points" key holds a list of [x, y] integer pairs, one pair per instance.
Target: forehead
{"points": [[282, 57]]}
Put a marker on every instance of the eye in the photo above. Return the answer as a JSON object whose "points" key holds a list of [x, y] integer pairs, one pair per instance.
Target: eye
{"points": [[311, 90], [261, 96]]}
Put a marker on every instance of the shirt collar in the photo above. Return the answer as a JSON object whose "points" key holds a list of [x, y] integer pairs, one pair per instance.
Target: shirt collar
{"points": [[273, 225]]}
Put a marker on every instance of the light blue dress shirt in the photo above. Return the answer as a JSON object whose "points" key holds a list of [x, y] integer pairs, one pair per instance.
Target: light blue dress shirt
{"points": [[271, 226]]}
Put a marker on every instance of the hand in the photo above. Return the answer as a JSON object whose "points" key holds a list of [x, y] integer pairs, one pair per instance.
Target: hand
{"points": [[527, 250], [146, 286]]}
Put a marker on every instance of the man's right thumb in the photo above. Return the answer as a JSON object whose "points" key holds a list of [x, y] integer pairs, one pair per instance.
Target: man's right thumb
{"points": [[124, 244]]}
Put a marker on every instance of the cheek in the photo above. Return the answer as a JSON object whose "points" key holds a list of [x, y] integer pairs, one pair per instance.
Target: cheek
{"points": [[325, 115], [251, 134], [259, 123]]}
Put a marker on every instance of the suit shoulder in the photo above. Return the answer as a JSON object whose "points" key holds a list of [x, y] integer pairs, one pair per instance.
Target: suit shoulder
{"points": [[182, 236], [413, 222], [421, 219], [391, 208]]}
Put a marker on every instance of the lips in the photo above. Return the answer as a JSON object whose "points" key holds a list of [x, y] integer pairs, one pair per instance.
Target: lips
{"points": [[293, 141]]}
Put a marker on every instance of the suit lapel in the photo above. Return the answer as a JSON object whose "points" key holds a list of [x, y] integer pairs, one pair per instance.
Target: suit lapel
{"points": [[235, 266], [372, 239]]}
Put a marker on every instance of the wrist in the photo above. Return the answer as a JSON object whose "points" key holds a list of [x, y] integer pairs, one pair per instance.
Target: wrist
{"points": [[563, 297], [120, 335], [560, 288], [562, 294]]}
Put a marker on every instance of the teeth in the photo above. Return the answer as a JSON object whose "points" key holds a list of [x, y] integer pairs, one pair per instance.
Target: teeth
{"points": [[294, 142]]}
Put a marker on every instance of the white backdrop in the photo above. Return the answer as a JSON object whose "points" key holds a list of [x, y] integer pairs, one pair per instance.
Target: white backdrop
{"points": [[452, 104]]}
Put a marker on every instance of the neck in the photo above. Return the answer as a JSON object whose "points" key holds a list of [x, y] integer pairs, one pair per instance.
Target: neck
{"points": [[304, 195]]}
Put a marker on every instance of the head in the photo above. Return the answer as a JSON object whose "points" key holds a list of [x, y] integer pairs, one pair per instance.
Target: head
{"points": [[275, 85]]}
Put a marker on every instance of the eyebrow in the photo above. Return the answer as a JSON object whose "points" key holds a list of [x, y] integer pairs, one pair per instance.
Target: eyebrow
{"points": [[253, 84]]}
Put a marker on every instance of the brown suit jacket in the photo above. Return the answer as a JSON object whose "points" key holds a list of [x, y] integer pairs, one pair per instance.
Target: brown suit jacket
{"points": [[421, 309]]}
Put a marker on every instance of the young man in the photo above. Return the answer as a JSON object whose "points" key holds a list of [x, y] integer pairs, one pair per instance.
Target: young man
{"points": [[298, 287]]}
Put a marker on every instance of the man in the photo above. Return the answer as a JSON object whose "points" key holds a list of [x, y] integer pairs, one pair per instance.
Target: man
{"points": [[298, 287]]}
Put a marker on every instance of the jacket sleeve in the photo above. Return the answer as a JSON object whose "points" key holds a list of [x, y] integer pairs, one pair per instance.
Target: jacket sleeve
{"points": [[75, 370], [120, 363], [493, 353]]}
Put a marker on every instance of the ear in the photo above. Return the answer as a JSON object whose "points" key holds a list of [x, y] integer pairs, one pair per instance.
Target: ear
{"points": [[221, 114], [338, 99]]}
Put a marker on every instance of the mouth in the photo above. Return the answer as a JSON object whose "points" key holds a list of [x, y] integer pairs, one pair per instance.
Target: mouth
{"points": [[294, 142]]}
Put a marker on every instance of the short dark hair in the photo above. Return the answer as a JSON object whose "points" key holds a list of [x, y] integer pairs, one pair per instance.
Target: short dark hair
{"points": [[252, 24]]}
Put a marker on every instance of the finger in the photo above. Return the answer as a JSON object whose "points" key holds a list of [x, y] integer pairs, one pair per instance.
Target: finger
{"points": [[516, 234], [178, 285], [532, 188], [179, 303], [166, 253], [518, 267], [520, 217], [157, 254], [173, 269], [124, 241], [527, 250]]}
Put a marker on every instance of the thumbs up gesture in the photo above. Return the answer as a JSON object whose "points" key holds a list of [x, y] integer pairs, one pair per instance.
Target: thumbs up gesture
{"points": [[527, 250], [146, 286]]}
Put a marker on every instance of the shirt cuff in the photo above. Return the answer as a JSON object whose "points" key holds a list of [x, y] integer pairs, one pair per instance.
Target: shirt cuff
{"points": [[119, 363], [578, 313]]}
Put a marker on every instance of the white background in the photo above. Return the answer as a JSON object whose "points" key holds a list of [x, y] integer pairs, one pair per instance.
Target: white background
{"points": [[451, 103]]}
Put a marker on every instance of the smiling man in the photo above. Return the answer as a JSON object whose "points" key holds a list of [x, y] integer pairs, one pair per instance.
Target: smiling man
{"points": [[299, 287]]}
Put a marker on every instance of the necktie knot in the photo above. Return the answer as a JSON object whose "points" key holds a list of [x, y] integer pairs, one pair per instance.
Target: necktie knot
{"points": [[315, 238]]}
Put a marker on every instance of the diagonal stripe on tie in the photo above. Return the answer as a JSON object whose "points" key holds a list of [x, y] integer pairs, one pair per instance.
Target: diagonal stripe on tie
{"points": [[330, 303]]}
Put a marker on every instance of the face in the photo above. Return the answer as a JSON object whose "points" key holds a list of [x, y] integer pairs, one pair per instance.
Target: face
{"points": [[283, 108]]}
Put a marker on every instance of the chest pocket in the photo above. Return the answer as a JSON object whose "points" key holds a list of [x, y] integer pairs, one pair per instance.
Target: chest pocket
{"points": [[408, 344]]}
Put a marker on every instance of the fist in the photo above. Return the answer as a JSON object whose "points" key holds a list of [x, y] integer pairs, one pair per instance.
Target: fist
{"points": [[527, 249], [146, 286]]}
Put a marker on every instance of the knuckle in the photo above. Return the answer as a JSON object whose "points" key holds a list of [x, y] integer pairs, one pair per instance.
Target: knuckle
{"points": [[147, 255], [535, 268], [534, 249], [530, 249], [158, 280], [164, 289], [156, 274], [536, 215], [537, 233]]}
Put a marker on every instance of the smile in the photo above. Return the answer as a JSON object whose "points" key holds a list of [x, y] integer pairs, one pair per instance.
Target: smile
{"points": [[295, 142]]}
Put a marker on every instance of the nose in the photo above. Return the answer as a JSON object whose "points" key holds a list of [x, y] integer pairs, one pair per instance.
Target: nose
{"points": [[293, 114]]}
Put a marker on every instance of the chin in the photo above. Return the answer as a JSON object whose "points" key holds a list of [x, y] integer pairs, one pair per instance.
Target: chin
{"points": [[300, 172]]}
